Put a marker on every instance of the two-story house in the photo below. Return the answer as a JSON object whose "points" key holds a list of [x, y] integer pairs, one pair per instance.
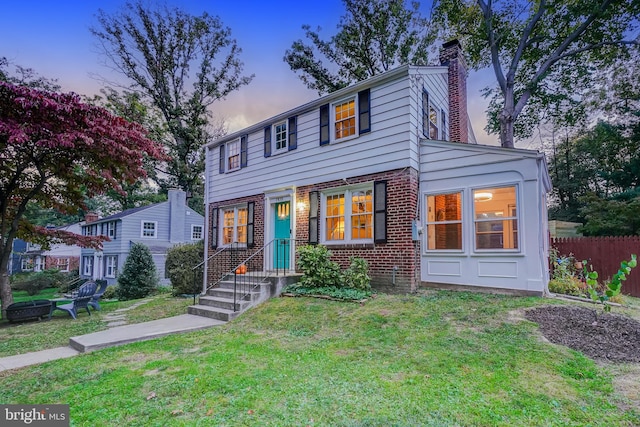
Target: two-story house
{"points": [[383, 170], [159, 226], [27, 257]]}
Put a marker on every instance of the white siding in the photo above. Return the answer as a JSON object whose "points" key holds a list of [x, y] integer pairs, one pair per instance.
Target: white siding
{"points": [[391, 144], [448, 167]]}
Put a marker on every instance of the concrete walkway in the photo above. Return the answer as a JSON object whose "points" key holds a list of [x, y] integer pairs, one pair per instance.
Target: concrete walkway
{"points": [[120, 333]]}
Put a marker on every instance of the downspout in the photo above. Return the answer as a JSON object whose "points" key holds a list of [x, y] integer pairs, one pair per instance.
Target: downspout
{"points": [[206, 224], [544, 237]]}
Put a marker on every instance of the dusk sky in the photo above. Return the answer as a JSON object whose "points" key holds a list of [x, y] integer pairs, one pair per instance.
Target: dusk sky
{"points": [[53, 38]]}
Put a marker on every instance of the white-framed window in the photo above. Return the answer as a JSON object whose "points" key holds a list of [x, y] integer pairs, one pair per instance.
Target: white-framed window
{"points": [[26, 264], [111, 229], [280, 135], [110, 266], [87, 265], [90, 230], [344, 119], [149, 229], [495, 216], [444, 221], [430, 118], [433, 123], [196, 232], [233, 155], [347, 215], [62, 264], [234, 225]]}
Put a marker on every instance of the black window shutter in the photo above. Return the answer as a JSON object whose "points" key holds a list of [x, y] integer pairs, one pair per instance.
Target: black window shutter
{"points": [[244, 142], [293, 133], [313, 217], [115, 229], [222, 159], [267, 141], [364, 110], [214, 228], [324, 124], [250, 221], [380, 212]]}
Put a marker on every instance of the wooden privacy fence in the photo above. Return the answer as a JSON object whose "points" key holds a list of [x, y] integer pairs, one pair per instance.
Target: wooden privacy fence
{"points": [[605, 254]]}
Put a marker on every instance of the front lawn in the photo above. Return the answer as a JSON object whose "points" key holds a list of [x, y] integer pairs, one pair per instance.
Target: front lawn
{"points": [[439, 359], [35, 335]]}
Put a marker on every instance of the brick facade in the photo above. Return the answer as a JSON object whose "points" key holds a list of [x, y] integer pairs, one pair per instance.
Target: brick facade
{"points": [[393, 266], [452, 57]]}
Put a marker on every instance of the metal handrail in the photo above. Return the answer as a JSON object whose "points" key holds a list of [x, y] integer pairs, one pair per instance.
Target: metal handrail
{"points": [[249, 272]]}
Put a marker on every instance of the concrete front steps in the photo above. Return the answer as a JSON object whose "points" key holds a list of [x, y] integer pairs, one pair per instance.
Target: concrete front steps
{"points": [[218, 302]]}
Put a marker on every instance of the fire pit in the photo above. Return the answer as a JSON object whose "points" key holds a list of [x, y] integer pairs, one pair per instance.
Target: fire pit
{"points": [[28, 310]]}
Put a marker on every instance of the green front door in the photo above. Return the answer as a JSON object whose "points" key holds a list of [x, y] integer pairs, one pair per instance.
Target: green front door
{"points": [[282, 235]]}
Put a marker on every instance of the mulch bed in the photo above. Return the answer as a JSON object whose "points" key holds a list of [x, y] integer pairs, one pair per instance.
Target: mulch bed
{"points": [[601, 336]]}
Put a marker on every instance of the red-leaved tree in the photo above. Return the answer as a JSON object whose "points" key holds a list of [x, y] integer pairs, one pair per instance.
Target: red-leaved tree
{"points": [[54, 151]]}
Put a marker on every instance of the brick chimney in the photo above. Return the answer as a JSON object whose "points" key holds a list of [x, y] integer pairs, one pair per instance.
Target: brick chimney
{"points": [[451, 57], [90, 217]]}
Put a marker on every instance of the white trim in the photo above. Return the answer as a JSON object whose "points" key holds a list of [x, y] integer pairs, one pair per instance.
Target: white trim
{"points": [[518, 218], [274, 142], [347, 191], [425, 209], [221, 227], [270, 200], [332, 119], [113, 266], [227, 154], [155, 229], [193, 226]]}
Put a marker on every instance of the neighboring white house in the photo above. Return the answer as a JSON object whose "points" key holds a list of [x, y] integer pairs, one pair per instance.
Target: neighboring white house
{"points": [[159, 226], [386, 170]]}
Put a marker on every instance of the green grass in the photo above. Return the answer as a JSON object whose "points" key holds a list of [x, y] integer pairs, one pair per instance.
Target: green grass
{"points": [[35, 335], [441, 359]]}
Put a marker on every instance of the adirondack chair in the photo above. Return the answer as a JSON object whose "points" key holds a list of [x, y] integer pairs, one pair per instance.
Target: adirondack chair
{"points": [[81, 300], [96, 297]]}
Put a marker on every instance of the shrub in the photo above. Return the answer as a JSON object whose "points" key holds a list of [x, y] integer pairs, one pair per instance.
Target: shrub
{"points": [[139, 277], [33, 283], [568, 286], [179, 267], [356, 275], [318, 269], [110, 292]]}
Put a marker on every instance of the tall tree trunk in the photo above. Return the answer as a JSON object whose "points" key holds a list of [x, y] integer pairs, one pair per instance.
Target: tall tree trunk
{"points": [[5, 290], [506, 130]]}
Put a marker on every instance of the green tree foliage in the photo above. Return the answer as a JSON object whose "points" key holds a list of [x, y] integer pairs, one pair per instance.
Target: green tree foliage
{"points": [[373, 36], [130, 106], [180, 65], [139, 277], [180, 263], [544, 54], [596, 180], [54, 151]]}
